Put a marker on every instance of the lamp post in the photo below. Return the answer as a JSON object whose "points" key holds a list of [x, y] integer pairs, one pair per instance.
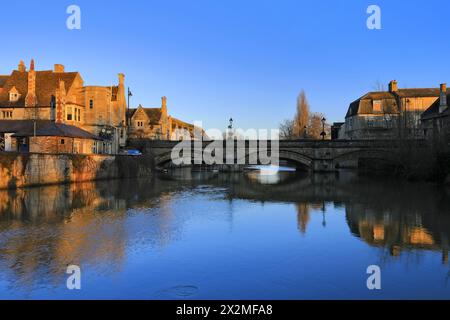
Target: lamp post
{"points": [[323, 134], [230, 128], [128, 113]]}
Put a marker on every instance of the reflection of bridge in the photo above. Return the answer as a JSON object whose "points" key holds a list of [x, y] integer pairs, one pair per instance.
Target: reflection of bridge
{"points": [[314, 155]]}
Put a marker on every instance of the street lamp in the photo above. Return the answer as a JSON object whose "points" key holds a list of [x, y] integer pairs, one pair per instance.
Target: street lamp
{"points": [[323, 134], [230, 129], [231, 124]]}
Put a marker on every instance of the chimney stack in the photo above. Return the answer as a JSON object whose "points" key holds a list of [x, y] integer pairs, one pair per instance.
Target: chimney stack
{"points": [[22, 67], [443, 98], [393, 86], [121, 79], [121, 98], [30, 99], [60, 100], [164, 105], [59, 68]]}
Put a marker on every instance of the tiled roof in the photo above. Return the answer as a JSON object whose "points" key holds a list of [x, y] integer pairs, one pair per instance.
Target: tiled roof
{"points": [[3, 80], [46, 84], [25, 128], [153, 114], [180, 123]]}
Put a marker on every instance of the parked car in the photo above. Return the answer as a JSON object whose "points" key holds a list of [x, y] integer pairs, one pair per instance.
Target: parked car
{"points": [[132, 152]]}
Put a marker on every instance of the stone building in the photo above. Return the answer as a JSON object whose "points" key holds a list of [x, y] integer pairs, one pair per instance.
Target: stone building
{"points": [[157, 124], [436, 119], [46, 136], [388, 114], [62, 98]]}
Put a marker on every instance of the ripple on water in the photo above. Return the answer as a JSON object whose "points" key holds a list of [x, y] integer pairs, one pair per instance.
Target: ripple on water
{"points": [[182, 291]]}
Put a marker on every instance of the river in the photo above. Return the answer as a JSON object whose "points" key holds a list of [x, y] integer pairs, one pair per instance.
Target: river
{"points": [[208, 235]]}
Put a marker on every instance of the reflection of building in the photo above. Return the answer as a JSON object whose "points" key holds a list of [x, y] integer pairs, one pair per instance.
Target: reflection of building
{"points": [[58, 113], [398, 232], [156, 123], [387, 114]]}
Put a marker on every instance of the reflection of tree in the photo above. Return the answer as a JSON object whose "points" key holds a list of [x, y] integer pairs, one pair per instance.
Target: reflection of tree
{"points": [[303, 216]]}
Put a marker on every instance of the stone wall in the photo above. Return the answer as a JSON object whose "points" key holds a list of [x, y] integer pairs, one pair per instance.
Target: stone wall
{"points": [[23, 170]]}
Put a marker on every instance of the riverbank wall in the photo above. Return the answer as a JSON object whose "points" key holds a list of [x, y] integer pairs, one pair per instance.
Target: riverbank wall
{"points": [[19, 170]]}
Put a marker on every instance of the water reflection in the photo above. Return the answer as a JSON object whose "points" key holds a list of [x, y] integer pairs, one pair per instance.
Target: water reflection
{"points": [[102, 225]]}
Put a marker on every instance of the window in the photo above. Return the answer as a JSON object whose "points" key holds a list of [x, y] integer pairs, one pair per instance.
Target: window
{"points": [[62, 141], [69, 113], [121, 133], [377, 106], [13, 94], [7, 114], [91, 104], [140, 123], [13, 97]]}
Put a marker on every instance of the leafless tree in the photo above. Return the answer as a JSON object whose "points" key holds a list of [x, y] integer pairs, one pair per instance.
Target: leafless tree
{"points": [[379, 86], [287, 129], [315, 126]]}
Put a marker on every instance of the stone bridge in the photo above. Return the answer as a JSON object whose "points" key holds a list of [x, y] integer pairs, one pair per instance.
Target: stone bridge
{"points": [[314, 155]]}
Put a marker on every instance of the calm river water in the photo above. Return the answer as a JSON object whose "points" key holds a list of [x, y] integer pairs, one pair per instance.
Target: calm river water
{"points": [[192, 235]]}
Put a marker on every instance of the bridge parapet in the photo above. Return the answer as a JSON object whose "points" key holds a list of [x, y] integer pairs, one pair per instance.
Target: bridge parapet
{"points": [[313, 154]]}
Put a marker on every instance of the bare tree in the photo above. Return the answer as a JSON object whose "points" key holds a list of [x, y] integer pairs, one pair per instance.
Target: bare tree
{"points": [[379, 86], [302, 116], [315, 125], [287, 129]]}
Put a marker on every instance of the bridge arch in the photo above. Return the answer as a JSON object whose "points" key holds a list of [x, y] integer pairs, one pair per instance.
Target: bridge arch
{"points": [[288, 155]]}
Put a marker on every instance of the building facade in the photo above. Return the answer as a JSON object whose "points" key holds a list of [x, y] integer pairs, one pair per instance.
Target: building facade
{"points": [[436, 119], [157, 124], [388, 114], [60, 97]]}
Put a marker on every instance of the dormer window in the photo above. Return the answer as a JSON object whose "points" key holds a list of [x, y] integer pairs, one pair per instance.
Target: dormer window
{"points": [[14, 95], [377, 106]]}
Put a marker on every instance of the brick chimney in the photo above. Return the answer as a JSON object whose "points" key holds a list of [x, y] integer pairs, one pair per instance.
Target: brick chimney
{"points": [[58, 68], [30, 99], [443, 98], [22, 67], [393, 86], [60, 98], [164, 105], [121, 92]]}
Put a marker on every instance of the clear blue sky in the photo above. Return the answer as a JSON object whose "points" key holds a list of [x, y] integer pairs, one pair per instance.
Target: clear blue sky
{"points": [[247, 59]]}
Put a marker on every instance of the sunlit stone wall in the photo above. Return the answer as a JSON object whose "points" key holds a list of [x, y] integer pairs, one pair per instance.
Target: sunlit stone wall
{"points": [[22, 170]]}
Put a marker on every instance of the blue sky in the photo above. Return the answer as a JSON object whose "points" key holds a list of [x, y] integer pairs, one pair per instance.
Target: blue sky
{"points": [[245, 59]]}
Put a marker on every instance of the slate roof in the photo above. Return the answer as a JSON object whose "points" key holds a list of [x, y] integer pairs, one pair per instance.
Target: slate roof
{"points": [[433, 110], [25, 128], [364, 105], [46, 84]]}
